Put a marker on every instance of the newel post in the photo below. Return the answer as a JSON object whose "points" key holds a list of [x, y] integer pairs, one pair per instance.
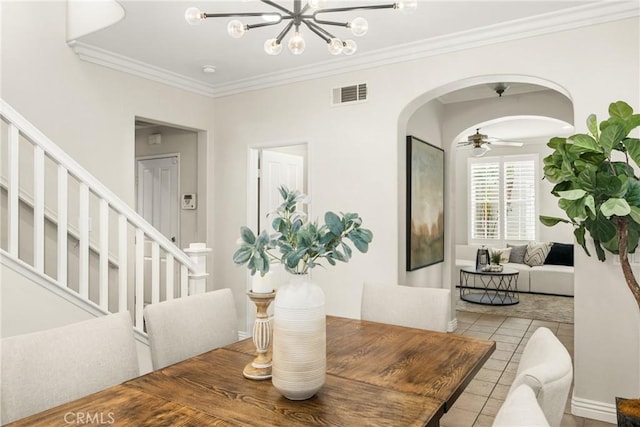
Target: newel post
{"points": [[198, 278]]}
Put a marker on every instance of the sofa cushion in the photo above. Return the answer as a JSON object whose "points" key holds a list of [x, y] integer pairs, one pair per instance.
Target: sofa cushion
{"points": [[560, 254], [552, 279], [517, 253], [536, 253]]}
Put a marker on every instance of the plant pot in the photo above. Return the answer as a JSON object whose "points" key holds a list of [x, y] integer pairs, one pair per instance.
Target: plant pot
{"points": [[299, 339], [628, 412]]}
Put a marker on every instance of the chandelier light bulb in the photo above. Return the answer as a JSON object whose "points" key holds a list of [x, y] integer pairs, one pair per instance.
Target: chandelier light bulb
{"points": [[193, 16], [316, 4], [335, 46], [407, 6], [236, 29], [349, 47], [359, 27], [296, 44], [272, 47]]}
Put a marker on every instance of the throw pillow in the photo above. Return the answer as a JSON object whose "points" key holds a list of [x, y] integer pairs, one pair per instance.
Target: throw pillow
{"points": [[517, 253], [504, 255], [560, 254], [536, 253]]}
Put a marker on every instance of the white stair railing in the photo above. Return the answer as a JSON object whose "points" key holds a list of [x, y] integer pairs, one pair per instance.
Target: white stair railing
{"points": [[103, 264]]}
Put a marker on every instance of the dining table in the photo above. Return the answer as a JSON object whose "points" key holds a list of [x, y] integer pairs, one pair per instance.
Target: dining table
{"points": [[377, 375]]}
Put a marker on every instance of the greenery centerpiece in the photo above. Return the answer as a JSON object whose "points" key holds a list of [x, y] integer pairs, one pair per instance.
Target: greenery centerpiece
{"points": [[595, 179], [299, 321], [495, 256], [298, 244]]}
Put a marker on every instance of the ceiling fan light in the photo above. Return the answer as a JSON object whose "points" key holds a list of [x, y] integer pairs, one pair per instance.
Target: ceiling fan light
{"points": [[296, 44], [194, 16], [359, 27], [407, 6], [236, 29], [272, 47], [335, 46], [349, 47], [480, 151]]}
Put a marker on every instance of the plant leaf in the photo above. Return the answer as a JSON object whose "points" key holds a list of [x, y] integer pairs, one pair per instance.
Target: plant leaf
{"points": [[633, 148], [586, 142], [247, 235], [334, 223], [610, 137], [572, 194], [615, 206], [592, 125], [550, 221], [620, 109]]}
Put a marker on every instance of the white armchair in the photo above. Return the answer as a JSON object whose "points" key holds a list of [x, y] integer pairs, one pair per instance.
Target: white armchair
{"points": [[48, 368], [424, 308], [185, 327], [546, 367], [520, 408]]}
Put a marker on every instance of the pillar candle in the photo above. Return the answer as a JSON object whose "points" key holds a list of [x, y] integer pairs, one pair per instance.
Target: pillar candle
{"points": [[262, 284]]}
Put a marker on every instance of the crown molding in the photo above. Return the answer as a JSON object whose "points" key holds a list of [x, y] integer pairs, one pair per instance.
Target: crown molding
{"points": [[109, 59], [579, 16]]}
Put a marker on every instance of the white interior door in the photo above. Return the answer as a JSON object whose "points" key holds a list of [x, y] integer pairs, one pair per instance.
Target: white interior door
{"points": [[277, 169], [158, 194]]}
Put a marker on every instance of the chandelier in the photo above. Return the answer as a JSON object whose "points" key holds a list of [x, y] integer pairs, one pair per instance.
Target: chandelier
{"points": [[307, 15]]}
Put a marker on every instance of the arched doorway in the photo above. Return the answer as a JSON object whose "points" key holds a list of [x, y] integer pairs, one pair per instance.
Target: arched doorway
{"points": [[443, 116]]}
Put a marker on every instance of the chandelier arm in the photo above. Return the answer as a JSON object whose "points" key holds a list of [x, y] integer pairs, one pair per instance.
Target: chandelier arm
{"points": [[284, 32], [239, 14], [334, 23], [348, 9], [277, 6], [265, 24], [319, 31]]}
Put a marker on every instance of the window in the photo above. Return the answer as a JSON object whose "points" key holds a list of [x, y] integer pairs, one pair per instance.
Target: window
{"points": [[503, 193]]}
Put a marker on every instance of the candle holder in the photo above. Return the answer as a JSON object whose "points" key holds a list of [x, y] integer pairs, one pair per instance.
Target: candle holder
{"points": [[260, 368]]}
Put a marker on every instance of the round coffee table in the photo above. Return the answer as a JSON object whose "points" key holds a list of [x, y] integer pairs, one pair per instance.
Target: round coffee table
{"points": [[489, 287]]}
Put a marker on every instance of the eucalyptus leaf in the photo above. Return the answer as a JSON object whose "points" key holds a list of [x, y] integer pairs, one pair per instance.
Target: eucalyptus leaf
{"points": [[247, 235]]}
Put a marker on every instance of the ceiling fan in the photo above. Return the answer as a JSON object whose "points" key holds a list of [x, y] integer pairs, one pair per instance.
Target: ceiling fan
{"points": [[481, 143]]}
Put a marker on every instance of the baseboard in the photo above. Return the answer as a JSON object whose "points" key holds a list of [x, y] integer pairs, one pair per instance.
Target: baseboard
{"points": [[452, 325], [594, 410], [243, 334]]}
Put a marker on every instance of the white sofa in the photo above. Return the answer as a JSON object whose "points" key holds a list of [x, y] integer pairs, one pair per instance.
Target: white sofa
{"points": [[543, 279]]}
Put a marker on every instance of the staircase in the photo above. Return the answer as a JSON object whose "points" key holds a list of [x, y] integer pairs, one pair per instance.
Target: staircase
{"points": [[65, 230]]}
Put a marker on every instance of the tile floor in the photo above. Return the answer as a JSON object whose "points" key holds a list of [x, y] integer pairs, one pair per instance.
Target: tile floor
{"points": [[479, 403]]}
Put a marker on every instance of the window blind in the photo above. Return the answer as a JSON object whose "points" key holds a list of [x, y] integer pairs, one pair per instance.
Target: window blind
{"points": [[519, 200], [485, 200]]}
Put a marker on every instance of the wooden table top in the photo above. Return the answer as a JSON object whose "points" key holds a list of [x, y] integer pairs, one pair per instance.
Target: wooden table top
{"points": [[377, 375]]}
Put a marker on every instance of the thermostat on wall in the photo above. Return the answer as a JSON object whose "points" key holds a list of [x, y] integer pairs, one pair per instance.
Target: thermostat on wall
{"points": [[188, 201]]}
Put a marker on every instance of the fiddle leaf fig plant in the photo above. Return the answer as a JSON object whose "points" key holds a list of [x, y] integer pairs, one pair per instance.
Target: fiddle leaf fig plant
{"points": [[299, 244], [595, 177]]}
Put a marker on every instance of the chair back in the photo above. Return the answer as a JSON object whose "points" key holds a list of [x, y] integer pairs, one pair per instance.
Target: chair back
{"points": [[546, 367], [185, 327], [45, 369], [520, 408], [423, 308]]}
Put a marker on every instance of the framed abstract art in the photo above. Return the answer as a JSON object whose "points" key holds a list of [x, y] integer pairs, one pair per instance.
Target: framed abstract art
{"points": [[425, 204]]}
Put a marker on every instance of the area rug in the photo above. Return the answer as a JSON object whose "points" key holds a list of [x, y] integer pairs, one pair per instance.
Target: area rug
{"points": [[531, 306]]}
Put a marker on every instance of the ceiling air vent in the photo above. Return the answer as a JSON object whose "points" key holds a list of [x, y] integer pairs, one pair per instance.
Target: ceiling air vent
{"points": [[353, 93]]}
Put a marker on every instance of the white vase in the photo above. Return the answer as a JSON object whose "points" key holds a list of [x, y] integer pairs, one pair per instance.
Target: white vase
{"points": [[299, 360]]}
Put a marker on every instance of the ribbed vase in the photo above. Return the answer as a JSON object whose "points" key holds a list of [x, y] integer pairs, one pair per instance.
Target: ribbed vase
{"points": [[299, 339]]}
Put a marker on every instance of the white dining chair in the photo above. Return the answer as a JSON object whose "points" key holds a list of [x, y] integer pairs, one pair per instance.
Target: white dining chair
{"points": [[520, 408], [44, 369], [546, 367], [423, 308], [185, 327]]}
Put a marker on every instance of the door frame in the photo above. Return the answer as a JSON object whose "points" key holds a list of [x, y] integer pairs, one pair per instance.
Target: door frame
{"points": [[163, 156], [253, 152]]}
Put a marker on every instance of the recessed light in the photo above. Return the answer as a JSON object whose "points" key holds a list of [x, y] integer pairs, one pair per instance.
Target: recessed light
{"points": [[209, 69]]}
